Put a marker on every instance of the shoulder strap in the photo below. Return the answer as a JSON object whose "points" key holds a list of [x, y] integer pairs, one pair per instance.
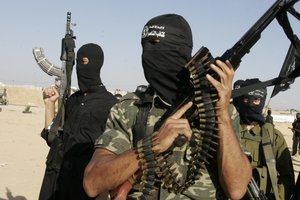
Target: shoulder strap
{"points": [[267, 144], [139, 128], [248, 136]]}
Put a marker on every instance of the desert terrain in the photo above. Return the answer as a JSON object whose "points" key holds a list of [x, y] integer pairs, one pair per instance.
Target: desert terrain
{"points": [[23, 152]]}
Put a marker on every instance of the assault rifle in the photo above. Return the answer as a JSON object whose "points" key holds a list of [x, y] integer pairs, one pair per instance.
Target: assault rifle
{"points": [[63, 75]]}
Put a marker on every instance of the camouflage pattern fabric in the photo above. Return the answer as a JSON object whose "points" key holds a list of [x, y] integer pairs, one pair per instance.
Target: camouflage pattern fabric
{"points": [[118, 138]]}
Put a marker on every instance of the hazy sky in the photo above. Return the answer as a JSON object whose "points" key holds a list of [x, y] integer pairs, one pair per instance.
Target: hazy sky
{"points": [[117, 26]]}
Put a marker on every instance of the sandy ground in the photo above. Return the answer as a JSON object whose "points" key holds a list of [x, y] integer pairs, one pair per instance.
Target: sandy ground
{"points": [[23, 151]]}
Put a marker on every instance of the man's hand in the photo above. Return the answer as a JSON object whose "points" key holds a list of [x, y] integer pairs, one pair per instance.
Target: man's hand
{"points": [[171, 129], [50, 94], [224, 86]]}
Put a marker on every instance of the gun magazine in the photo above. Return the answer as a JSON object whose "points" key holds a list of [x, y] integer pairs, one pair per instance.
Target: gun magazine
{"points": [[45, 65]]}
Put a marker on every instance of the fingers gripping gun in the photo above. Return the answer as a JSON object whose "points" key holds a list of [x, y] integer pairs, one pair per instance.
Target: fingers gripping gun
{"points": [[63, 75], [199, 66], [204, 96], [203, 58]]}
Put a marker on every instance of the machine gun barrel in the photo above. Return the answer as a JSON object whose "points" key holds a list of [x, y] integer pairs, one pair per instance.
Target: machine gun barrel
{"points": [[249, 39]]}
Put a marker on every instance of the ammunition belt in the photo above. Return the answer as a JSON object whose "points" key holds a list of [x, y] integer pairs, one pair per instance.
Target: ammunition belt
{"points": [[203, 141]]}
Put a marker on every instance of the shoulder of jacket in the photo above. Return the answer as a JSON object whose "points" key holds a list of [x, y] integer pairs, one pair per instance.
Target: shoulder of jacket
{"points": [[127, 101], [74, 95], [129, 96], [268, 125], [277, 133], [233, 112]]}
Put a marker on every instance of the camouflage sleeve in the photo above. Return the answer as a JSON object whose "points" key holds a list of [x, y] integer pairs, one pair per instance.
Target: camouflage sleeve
{"points": [[284, 166], [117, 136]]}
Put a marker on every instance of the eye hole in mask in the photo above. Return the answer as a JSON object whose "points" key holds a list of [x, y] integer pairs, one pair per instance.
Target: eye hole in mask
{"points": [[154, 41], [85, 61], [252, 101]]}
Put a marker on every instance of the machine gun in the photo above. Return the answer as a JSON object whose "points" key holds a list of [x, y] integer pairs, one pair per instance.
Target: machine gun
{"points": [[204, 95], [199, 63], [277, 10], [63, 75], [289, 71], [198, 66]]}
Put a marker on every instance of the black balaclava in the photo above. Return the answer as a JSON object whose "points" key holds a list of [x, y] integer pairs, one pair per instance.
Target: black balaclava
{"points": [[167, 46], [250, 112], [237, 84], [88, 75]]}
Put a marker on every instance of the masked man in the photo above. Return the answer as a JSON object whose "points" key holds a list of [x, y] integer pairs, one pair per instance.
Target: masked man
{"points": [[269, 154], [85, 116], [150, 161]]}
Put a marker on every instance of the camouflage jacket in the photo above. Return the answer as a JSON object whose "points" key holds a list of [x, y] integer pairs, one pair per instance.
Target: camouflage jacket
{"points": [[118, 138]]}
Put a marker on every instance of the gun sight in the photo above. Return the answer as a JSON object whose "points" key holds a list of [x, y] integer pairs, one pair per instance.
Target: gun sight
{"points": [[69, 31]]}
